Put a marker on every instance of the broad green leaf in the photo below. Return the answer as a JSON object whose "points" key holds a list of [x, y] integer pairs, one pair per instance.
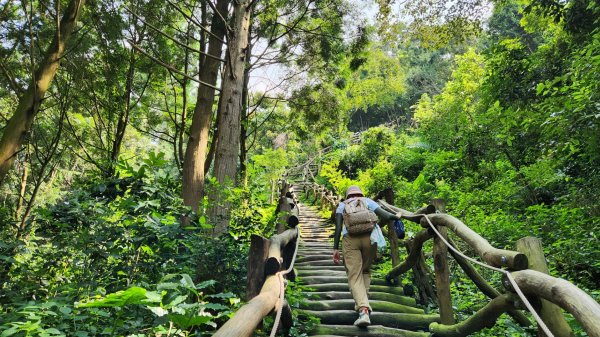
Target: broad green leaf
{"points": [[133, 295], [184, 321]]}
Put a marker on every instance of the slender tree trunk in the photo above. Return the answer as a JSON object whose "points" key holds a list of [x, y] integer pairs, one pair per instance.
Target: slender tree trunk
{"points": [[124, 115], [213, 145], [22, 189], [19, 124], [228, 142], [244, 123], [195, 154]]}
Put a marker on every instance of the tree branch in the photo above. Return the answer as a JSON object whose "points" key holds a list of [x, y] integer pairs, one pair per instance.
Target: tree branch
{"points": [[174, 39], [170, 67]]}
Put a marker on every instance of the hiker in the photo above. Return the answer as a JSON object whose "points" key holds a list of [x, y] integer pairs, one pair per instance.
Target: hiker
{"points": [[360, 235]]}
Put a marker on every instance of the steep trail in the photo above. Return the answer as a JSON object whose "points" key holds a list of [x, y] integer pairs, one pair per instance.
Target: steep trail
{"points": [[330, 300]]}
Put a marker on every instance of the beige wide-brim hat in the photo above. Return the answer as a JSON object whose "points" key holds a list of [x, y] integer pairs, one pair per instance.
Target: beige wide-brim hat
{"points": [[353, 190]]}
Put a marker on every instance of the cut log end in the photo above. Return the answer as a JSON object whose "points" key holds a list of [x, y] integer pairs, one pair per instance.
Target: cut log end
{"points": [[272, 266], [520, 262]]}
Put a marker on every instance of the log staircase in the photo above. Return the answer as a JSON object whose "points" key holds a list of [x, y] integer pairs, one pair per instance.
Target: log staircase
{"points": [[394, 314]]}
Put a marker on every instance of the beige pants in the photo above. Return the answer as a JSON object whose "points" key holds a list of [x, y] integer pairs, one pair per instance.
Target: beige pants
{"points": [[358, 258]]}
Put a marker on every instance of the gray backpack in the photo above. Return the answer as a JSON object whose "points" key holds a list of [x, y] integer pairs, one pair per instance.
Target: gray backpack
{"points": [[358, 218]]}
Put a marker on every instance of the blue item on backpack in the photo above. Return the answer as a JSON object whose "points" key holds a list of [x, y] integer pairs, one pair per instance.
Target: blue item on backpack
{"points": [[399, 227]]}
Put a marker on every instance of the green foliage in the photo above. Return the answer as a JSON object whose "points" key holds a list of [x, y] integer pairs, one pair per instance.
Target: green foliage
{"points": [[123, 233], [176, 304]]}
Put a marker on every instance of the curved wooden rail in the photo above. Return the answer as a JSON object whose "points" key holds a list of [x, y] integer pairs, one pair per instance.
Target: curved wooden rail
{"points": [[563, 293], [492, 256], [247, 318]]}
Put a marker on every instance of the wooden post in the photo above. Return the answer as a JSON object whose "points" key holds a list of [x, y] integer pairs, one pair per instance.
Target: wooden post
{"points": [[284, 213], [550, 313], [259, 251], [334, 205], [442, 272], [392, 236], [287, 319], [288, 254], [485, 287]]}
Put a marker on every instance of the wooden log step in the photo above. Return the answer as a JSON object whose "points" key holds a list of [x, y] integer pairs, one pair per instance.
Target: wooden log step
{"points": [[319, 244], [387, 319], [348, 304], [315, 257], [328, 263], [344, 287], [310, 246], [319, 237], [336, 279], [315, 240], [300, 269], [373, 295], [317, 232], [320, 272], [323, 253], [315, 250], [373, 330]]}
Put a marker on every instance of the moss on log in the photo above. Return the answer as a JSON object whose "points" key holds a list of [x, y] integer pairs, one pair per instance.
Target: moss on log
{"points": [[308, 272], [392, 320], [373, 295], [485, 287], [484, 318], [348, 304], [316, 279], [372, 331], [344, 287]]}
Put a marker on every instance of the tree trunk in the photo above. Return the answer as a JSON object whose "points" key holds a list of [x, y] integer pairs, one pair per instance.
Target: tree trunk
{"points": [[213, 145], [243, 124], [180, 154], [228, 142], [29, 104], [123, 115], [22, 189], [195, 153]]}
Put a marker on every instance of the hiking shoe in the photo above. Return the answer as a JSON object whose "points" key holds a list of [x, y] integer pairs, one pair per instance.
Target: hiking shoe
{"points": [[363, 318]]}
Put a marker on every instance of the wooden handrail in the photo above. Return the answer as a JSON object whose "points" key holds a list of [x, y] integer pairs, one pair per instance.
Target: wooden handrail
{"points": [[531, 282], [247, 318], [563, 293], [492, 256], [266, 259]]}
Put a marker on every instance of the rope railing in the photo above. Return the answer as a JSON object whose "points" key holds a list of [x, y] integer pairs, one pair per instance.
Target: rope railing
{"points": [[512, 281], [583, 307]]}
